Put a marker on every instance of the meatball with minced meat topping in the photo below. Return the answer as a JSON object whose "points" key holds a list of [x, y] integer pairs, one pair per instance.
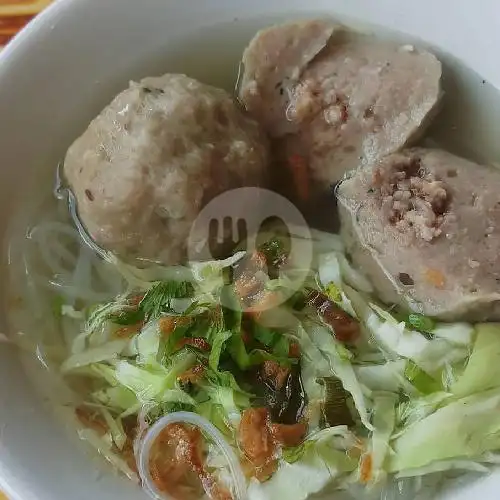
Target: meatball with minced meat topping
{"points": [[424, 225]]}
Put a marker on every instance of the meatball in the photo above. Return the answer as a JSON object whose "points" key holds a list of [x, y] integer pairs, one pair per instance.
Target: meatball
{"points": [[425, 226], [335, 97], [152, 159]]}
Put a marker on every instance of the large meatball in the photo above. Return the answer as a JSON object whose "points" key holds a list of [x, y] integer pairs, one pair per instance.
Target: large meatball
{"points": [[149, 162], [335, 97], [425, 226]]}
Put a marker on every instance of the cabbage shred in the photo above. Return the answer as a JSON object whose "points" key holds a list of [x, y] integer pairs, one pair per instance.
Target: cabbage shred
{"points": [[407, 398]]}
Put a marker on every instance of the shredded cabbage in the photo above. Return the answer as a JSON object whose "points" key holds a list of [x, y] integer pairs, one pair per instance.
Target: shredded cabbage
{"points": [[483, 368], [322, 458], [340, 366], [389, 376], [208, 275], [148, 345], [465, 428], [384, 421], [115, 428], [424, 395], [106, 352]]}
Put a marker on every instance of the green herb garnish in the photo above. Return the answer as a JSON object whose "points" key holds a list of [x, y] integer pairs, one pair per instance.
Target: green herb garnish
{"points": [[158, 299], [421, 322], [274, 252], [282, 347], [422, 381], [127, 317], [231, 309], [219, 339], [264, 335]]}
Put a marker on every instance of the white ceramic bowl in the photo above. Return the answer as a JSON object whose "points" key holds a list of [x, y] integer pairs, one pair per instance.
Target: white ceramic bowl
{"points": [[68, 63]]}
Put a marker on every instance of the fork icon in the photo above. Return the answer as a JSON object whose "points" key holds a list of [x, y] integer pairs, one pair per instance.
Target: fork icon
{"points": [[225, 233], [235, 217]]}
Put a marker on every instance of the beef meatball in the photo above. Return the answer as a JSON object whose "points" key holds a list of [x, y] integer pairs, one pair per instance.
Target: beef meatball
{"points": [[152, 159], [337, 98], [425, 226]]}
